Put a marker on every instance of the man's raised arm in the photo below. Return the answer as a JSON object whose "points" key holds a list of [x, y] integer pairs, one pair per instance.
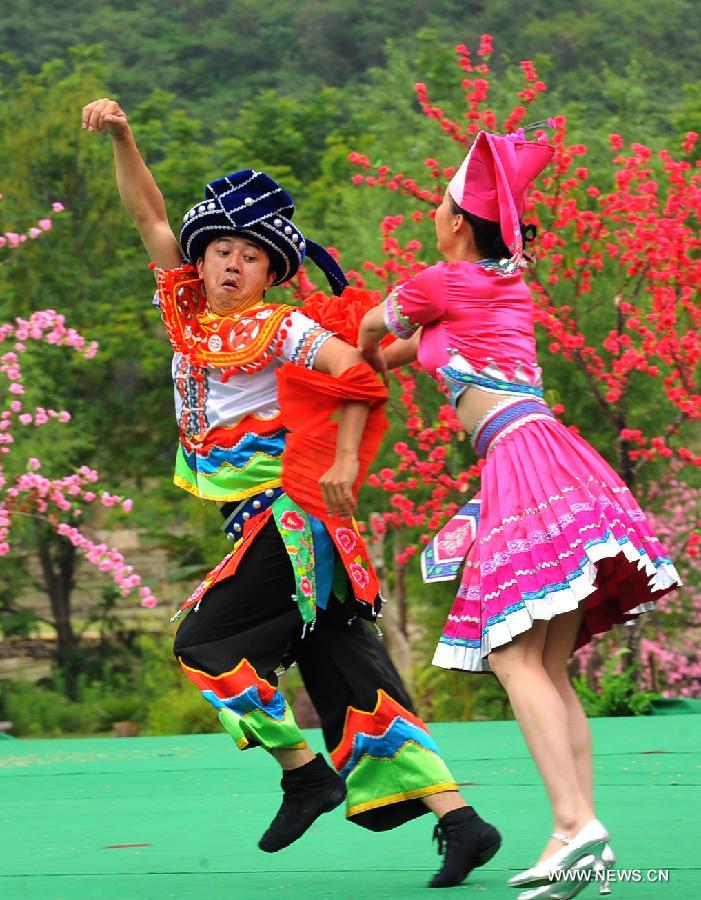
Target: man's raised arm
{"points": [[137, 187]]}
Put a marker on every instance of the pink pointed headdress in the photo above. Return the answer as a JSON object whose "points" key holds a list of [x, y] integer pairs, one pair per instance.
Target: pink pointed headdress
{"points": [[493, 180]]}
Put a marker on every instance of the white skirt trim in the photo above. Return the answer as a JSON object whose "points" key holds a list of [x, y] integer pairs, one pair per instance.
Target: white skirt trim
{"points": [[563, 598]]}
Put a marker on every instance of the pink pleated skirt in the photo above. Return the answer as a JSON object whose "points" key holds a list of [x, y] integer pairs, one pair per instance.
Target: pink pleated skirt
{"points": [[558, 529]]}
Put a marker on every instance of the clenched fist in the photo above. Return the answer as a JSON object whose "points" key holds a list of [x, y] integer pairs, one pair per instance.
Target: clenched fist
{"points": [[105, 115]]}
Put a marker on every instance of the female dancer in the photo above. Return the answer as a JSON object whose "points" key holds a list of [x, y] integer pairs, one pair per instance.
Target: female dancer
{"points": [[557, 548]]}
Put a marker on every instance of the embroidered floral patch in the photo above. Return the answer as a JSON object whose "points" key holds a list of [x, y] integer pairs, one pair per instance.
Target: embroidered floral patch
{"points": [[292, 520], [359, 574], [346, 538], [296, 533]]}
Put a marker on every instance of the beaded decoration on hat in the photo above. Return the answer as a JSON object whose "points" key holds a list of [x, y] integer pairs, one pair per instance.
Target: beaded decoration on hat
{"points": [[252, 204], [493, 181]]}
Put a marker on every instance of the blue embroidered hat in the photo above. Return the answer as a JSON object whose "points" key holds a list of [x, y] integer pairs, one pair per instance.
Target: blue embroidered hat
{"points": [[252, 204]]}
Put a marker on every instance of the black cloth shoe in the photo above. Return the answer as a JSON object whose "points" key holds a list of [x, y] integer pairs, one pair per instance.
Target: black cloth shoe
{"points": [[467, 842], [308, 792]]}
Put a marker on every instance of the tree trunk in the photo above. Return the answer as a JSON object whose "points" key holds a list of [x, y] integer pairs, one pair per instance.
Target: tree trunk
{"points": [[58, 562], [393, 621]]}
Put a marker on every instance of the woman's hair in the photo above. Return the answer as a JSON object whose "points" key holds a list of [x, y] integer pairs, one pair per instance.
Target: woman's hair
{"points": [[488, 234]]}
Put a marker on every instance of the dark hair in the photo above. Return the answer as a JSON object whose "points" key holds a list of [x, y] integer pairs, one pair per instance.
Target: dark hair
{"points": [[487, 234]]}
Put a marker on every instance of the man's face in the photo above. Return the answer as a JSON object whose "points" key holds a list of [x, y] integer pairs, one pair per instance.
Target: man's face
{"points": [[235, 273]]}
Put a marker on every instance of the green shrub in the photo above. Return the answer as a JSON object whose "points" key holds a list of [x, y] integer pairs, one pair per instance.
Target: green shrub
{"points": [[40, 712], [618, 694], [182, 711], [452, 696]]}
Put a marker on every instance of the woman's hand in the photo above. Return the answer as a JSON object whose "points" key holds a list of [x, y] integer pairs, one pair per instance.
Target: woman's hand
{"points": [[337, 485], [105, 115], [376, 358]]}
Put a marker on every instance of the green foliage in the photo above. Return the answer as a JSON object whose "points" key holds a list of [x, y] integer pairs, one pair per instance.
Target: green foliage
{"points": [[449, 696], [182, 711], [144, 686], [36, 711], [216, 56], [618, 694], [171, 704]]}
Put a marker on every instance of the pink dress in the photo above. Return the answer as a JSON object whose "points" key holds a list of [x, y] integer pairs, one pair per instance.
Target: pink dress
{"points": [[553, 526]]}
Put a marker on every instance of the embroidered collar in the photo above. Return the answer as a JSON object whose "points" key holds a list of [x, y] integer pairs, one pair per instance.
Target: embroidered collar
{"points": [[240, 343], [506, 267]]}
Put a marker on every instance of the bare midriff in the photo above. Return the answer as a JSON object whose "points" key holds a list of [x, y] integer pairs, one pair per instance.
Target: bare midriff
{"points": [[475, 403]]}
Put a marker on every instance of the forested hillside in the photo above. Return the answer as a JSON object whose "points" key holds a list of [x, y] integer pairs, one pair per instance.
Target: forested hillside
{"points": [[215, 55]]}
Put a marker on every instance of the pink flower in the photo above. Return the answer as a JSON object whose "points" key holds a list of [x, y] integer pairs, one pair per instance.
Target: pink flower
{"points": [[45, 224], [306, 586], [127, 505], [359, 575], [147, 598], [292, 520], [57, 206], [346, 538]]}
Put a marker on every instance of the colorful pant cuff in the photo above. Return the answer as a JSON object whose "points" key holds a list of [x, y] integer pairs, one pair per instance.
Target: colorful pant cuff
{"points": [[251, 710], [388, 756]]}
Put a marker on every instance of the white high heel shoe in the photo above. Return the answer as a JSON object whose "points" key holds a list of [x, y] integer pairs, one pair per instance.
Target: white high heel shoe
{"points": [[602, 865], [565, 889], [589, 841]]}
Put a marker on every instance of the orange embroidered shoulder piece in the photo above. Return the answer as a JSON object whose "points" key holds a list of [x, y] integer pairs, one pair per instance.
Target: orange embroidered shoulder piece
{"points": [[241, 343]]}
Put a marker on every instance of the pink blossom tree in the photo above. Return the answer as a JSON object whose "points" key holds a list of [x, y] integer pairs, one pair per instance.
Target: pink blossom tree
{"points": [[57, 503], [617, 313]]}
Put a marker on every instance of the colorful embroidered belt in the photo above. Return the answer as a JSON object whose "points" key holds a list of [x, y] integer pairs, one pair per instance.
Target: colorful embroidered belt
{"points": [[504, 418], [322, 548], [237, 514], [312, 546]]}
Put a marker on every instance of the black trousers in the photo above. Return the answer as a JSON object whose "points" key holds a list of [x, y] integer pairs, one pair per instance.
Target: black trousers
{"points": [[249, 624]]}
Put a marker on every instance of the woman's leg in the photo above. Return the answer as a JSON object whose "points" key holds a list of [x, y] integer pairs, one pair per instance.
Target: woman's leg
{"points": [[562, 633], [543, 718]]}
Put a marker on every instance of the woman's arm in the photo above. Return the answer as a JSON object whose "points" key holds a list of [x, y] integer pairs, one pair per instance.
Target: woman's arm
{"points": [[137, 188], [373, 330], [401, 353]]}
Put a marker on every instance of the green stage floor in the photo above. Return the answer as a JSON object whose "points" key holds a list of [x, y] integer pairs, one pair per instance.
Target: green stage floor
{"points": [[132, 818]]}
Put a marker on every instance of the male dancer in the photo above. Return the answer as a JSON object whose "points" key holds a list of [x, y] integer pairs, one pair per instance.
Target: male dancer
{"points": [[298, 583]]}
